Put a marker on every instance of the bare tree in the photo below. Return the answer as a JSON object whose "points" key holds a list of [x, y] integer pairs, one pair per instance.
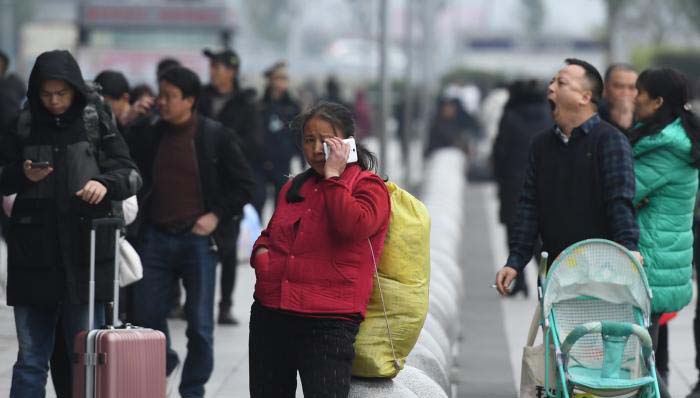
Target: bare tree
{"points": [[270, 19], [689, 8], [534, 17], [614, 9]]}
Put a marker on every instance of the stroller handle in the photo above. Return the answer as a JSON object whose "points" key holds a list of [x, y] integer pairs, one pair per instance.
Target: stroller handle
{"points": [[608, 328], [542, 274]]}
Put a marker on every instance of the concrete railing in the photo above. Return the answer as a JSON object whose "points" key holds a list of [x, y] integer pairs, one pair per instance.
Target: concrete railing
{"points": [[427, 370]]}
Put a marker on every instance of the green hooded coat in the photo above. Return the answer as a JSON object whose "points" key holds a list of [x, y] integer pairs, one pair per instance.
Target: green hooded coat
{"points": [[667, 183]]}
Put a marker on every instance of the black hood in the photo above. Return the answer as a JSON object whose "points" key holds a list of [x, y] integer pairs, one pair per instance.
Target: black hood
{"points": [[58, 65]]}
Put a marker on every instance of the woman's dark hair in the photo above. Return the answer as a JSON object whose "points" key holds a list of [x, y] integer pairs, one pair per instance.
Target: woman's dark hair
{"points": [[526, 91], [184, 79], [5, 60], [672, 86], [341, 119]]}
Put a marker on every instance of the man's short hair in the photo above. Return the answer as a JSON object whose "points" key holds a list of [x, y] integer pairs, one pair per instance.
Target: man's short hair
{"points": [[113, 83], [184, 79], [165, 64], [140, 90], [593, 77], [618, 66], [227, 57]]}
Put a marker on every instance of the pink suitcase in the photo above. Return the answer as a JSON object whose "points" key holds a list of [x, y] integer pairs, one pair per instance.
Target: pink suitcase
{"points": [[116, 361]]}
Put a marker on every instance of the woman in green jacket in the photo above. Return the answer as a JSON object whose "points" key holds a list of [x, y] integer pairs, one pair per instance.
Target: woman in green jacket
{"points": [[666, 154]]}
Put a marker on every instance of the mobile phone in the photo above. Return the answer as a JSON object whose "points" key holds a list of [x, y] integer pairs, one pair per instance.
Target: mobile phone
{"points": [[40, 165], [352, 156]]}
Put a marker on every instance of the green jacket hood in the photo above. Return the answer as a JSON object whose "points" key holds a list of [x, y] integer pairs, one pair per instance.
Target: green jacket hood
{"points": [[672, 138]]}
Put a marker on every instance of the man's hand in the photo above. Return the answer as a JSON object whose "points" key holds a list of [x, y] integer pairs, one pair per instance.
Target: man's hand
{"points": [[622, 112], [205, 224], [35, 175], [142, 107], [93, 192], [639, 257], [504, 278]]}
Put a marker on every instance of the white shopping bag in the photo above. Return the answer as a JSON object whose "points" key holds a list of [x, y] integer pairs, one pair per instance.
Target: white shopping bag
{"points": [[130, 267], [250, 229], [532, 371]]}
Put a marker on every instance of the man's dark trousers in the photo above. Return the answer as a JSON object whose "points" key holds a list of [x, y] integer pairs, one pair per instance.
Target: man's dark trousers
{"points": [[190, 257], [226, 238]]}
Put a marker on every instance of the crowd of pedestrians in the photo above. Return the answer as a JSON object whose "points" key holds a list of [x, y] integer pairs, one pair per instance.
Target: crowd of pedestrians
{"points": [[612, 157], [192, 155]]}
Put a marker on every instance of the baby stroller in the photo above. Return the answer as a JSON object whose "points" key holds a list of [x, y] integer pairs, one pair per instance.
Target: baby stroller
{"points": [[595, 303]]}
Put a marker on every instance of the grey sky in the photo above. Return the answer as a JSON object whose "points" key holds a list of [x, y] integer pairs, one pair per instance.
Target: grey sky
{"points": [[569, 17]]}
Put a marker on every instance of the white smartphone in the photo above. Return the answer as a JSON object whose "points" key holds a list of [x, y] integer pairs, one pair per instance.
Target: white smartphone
{"points": [[352, 156]]}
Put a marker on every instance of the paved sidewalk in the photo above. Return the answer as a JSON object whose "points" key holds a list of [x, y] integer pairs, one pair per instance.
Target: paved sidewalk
{"points": [[483, 359]]}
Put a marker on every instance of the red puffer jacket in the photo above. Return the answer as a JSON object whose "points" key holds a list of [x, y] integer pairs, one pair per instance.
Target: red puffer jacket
{"points": [[319, 259]]}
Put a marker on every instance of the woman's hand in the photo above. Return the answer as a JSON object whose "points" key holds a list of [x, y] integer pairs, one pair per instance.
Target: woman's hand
{"points": [[261, 250], [338, 152], [639, 257], [261, 259]]}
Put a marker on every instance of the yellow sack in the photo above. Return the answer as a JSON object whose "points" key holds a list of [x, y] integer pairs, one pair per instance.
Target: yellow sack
{"points": [[404, 276]]}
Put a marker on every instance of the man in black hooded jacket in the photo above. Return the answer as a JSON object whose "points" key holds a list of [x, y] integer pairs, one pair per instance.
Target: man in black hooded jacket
{"points": [[62, 178]]}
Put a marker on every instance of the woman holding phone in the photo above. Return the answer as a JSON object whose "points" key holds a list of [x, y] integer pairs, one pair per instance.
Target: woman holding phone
{"points": [[314, 263]]}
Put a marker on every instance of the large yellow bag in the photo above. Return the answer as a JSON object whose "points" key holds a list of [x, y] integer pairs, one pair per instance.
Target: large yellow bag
{"points": [[404, 276]]}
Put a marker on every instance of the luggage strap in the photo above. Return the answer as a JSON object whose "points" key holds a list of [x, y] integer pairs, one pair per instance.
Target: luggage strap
{"points": [[397, 365]]}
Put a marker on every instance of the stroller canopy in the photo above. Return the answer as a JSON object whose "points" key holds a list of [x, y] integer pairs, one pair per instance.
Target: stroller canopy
{"points": [[600, 269]]}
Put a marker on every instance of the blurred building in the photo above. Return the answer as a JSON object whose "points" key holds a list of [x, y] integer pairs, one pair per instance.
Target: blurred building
{"points": [[127, 35]]}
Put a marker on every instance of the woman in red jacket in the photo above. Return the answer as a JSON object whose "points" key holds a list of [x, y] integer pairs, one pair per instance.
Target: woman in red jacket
{"points": [[314, 264]]}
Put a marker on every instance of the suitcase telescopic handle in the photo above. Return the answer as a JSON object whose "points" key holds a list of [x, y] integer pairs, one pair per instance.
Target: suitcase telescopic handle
{"points": [[107, 222], [117, 224]]}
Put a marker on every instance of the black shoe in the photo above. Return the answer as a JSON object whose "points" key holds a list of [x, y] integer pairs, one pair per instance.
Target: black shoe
{"points": [[695, 392], [664, 376], [225, 318], [177, 312]]}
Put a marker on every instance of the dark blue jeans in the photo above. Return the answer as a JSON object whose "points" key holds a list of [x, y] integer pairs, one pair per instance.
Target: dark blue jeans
{"points": [[36, 326], [190, 257]]}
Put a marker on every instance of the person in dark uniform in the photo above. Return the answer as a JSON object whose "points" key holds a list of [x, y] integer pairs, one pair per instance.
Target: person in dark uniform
{"points": [[225, 101], [278, 109]]}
